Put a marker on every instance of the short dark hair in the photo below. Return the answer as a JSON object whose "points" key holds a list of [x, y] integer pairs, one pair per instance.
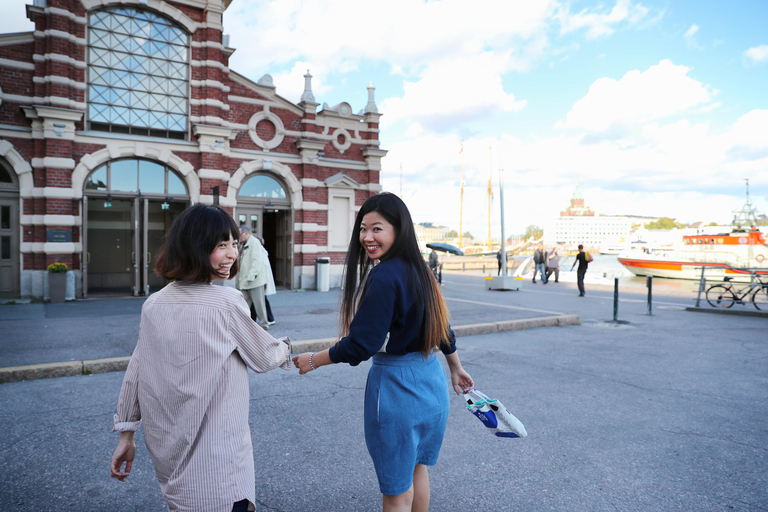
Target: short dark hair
{"points": [[581, 246], [186, 251]]}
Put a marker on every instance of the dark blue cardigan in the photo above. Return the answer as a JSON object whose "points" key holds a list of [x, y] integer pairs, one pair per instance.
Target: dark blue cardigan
{"points": [[389, 306]]}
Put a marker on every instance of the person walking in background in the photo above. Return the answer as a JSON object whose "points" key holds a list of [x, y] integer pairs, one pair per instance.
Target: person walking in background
{"points": [[253, 276], [553, 265], [394, 312], [500, 259], [581, 259], [434, 261], [187, 381], [540, 260], [270, 286]]}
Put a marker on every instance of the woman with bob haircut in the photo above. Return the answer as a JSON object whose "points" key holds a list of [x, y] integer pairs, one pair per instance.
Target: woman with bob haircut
{"points": [[394, 313], [187, 381]]}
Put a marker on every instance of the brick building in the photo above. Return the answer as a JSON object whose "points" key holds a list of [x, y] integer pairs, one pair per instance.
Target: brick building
{"points": [[117, 115]]}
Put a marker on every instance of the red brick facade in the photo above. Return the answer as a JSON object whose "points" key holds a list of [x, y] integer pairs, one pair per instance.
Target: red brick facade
{"points": [[236, 128]]}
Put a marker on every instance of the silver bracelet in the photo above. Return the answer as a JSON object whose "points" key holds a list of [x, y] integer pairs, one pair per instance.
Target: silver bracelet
{"points": [[310, 361]]}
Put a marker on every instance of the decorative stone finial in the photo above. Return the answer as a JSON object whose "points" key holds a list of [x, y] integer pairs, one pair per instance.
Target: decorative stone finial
{"points": [[370, 108], [307, 95]]}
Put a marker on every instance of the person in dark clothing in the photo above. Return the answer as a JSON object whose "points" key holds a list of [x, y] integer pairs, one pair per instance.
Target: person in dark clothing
{"points": [[581, 259], [500, 260], [392, 312], [540, 260]]}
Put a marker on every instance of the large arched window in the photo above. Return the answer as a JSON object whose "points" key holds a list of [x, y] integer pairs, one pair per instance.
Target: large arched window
{"points": [[137, 73], [134, 176], [262, 186]]}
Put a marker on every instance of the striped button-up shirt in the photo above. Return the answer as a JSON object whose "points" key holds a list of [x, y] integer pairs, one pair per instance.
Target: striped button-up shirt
{"points": [[187, 383]]}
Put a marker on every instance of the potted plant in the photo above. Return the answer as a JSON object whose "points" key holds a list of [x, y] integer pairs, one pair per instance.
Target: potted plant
{"points": [[57, 281]]}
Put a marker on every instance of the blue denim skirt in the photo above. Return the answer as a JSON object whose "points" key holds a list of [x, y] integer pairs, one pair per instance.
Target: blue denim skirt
{"points": [[406, 411]]}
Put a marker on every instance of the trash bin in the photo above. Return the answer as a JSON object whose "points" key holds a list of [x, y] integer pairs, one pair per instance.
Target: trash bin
{"points": [[323, 274]]}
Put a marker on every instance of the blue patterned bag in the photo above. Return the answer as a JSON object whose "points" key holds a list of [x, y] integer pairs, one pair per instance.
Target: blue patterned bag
{"points": [[494, 415]]}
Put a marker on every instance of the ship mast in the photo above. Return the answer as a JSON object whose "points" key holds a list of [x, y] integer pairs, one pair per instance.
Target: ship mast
{"points": [[747, 216]]}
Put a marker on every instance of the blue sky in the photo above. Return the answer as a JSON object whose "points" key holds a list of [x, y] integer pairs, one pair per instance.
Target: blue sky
{"points": [[655, 108]]}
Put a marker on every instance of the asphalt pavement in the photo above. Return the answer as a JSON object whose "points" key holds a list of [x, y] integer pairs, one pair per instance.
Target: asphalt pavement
{"points": [[655, 412]]}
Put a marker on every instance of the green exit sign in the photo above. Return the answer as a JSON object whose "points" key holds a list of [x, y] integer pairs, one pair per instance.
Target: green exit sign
{"points": [[165, 206], [107, 205]]}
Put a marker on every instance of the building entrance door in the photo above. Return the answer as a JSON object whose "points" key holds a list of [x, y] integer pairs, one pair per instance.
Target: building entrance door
{"points": [[274, 226], [9, 247], [122, 240]]}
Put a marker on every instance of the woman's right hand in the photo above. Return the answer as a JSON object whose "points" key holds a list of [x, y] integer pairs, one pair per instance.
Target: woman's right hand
{"points": [[301, 362], [125, 452]]}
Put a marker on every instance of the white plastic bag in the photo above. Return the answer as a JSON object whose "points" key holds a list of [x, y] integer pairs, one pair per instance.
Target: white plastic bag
{"points": [[494, 415]]}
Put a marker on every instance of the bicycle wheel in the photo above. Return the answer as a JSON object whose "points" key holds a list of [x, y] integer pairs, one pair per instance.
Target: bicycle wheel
{"points": [[760, 298], [720, 296]]}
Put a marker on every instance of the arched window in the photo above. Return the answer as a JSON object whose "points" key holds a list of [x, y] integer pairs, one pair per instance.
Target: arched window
{"points": [[135, 176], [137, 73], [262, 186]]}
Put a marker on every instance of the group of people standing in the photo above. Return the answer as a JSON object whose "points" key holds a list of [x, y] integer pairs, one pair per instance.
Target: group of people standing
{"points": [[187, 382], [546, 263]]}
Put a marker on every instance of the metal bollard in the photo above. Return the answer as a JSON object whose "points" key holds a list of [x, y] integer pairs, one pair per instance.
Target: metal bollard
{"points": [[615, 299], [649, 284]]}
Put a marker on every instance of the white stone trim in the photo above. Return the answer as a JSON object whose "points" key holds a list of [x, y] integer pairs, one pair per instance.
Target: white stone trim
{"points": [[223, 201], [60, 33], [209, 102], [312, 206], [266, 115], [17, 38], [47, 100], [214, 174], [57, 57], [51, 247], [341, 148], [15, 64], [209, 64], [52, 193], [50, 220], [233, 98], [59, 80], [208, 44], [250, 167], [216, 121], [311, 248], [21, 167], [72, 16], [209, 83], [51, 162], [158, 5], [131, 148], [312, 183], [309, 227]]}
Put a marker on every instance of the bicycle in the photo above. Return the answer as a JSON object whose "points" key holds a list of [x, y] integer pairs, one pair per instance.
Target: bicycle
{"points": [[725, 296]]}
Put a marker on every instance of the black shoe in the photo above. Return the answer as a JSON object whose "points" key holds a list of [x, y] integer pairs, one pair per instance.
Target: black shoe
{"points": [[545, 282], [534, 280], [557, 281], [581, 295]]}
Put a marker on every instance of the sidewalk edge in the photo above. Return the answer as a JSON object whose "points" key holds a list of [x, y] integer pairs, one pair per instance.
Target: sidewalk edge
{"points": [[116, 364]]}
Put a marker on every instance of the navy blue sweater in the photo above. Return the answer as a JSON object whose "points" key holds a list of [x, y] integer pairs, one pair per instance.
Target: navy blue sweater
{"points": [[388, 307]]}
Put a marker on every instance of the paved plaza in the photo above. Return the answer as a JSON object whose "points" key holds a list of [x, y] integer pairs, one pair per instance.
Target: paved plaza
{"points": [[661, 412]]}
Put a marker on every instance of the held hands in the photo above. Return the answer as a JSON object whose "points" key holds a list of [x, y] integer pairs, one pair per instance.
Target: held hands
{"points": [[301, 362]]}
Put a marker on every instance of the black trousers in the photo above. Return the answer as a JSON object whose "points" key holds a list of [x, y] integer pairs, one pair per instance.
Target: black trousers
{"points": [[270, 316], [580, 272]]}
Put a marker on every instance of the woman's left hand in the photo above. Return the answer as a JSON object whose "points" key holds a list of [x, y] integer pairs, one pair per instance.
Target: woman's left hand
{"points": [[462, 381], [301, 362]]}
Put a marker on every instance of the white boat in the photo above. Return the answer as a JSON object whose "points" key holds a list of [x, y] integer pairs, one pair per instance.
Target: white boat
{"points": [[735, 254]]}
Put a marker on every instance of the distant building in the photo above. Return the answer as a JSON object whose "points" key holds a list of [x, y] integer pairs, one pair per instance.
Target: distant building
{"points": [[430, 232], [577, 208]]}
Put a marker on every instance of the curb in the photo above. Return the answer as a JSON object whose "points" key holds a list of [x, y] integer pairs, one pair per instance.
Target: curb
{"points": [[118, 364], [726, 311]]}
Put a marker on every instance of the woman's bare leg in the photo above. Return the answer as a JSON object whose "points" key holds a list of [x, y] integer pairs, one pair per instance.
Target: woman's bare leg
{"points": [[420, 489], [398, 502]]}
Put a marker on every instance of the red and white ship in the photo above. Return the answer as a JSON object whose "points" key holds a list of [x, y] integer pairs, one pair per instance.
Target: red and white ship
{"points": [[736, 254]]}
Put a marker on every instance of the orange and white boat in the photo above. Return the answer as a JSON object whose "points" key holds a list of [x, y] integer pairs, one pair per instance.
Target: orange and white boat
{"points": [[735, 254]]}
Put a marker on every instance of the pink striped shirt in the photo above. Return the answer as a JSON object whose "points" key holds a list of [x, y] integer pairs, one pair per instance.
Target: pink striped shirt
{"points": [[187, 382]]}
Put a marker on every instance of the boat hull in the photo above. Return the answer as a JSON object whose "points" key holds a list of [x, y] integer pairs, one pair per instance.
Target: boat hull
{"points": [[684, 269]]}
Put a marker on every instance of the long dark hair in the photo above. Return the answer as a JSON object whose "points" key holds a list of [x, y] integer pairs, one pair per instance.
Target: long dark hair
{"points": [[186, 251], [423, 285]]}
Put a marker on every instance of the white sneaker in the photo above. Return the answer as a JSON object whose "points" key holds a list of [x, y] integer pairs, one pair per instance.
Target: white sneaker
{"points": [[273, 322]]}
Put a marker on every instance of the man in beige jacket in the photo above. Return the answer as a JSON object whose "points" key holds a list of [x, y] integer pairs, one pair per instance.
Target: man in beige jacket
{"points": [[252, 277]]}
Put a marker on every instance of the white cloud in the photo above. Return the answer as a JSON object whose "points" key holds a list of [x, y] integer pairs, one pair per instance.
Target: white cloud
{"points": [[342, 32], [453, 91], [638, 97], [598, 25], [690, 36], [757, 54]]}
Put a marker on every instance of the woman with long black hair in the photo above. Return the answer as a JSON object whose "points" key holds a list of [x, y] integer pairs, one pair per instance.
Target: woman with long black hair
{"points": [[392, 310]]}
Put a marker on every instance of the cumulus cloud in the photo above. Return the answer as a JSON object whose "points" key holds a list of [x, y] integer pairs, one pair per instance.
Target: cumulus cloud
{"points": [[638, 97], [597, 24], [453, 91], [342, 32], [757, 54]]}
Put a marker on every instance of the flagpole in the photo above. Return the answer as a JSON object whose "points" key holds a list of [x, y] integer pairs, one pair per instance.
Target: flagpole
{"points": [[490, 177], [461, 205]]}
